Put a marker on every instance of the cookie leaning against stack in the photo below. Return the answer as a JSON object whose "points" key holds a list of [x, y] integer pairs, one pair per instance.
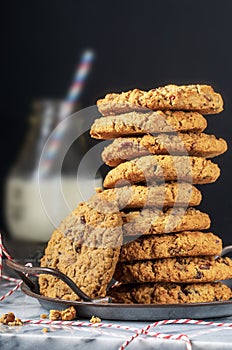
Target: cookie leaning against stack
{"points": [[159, 151], [86, 248]]}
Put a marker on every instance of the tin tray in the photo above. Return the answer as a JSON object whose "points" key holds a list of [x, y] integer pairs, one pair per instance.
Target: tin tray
{"points": [[137, 312]]}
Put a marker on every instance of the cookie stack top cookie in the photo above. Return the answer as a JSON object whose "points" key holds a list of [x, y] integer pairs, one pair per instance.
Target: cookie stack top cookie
{"points": [[201, 98]]}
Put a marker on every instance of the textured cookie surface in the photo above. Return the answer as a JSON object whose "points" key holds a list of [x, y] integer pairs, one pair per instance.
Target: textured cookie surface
{"points": [[170, 293], [137, 123], [85, 248], [163, 167], [197, 97], [178, 270], [199, 145], [186, 243], [155, 221], [164, 195]]}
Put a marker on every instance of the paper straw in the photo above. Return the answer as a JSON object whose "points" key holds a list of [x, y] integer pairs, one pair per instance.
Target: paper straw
{"points": [[80, 77], [74, 93]]}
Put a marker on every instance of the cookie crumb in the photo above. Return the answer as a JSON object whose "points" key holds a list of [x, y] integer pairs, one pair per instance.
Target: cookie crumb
{"points": [[64, 315], [44, 316], [16, 322], [45, 330], [10, 319], [54, 315], [6, 318], [68, 314], [95, 319]]}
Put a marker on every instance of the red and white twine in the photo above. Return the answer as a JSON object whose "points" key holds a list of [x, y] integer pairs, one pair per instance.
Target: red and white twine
{"points": [[10, 279], [146, 331]]}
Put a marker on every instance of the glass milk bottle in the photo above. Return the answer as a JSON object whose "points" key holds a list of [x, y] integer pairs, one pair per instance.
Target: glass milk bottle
{"points": [[35, 207]]}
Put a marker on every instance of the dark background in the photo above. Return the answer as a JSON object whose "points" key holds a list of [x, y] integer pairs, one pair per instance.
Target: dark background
{"points": [[140, 44]]}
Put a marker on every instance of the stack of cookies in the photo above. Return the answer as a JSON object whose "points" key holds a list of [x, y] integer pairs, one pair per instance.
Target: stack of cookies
{"points": [[158, 154], [143, 228]]}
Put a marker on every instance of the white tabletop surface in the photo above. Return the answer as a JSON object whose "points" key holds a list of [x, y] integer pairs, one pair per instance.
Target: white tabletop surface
{"points": [[59, 337]]}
